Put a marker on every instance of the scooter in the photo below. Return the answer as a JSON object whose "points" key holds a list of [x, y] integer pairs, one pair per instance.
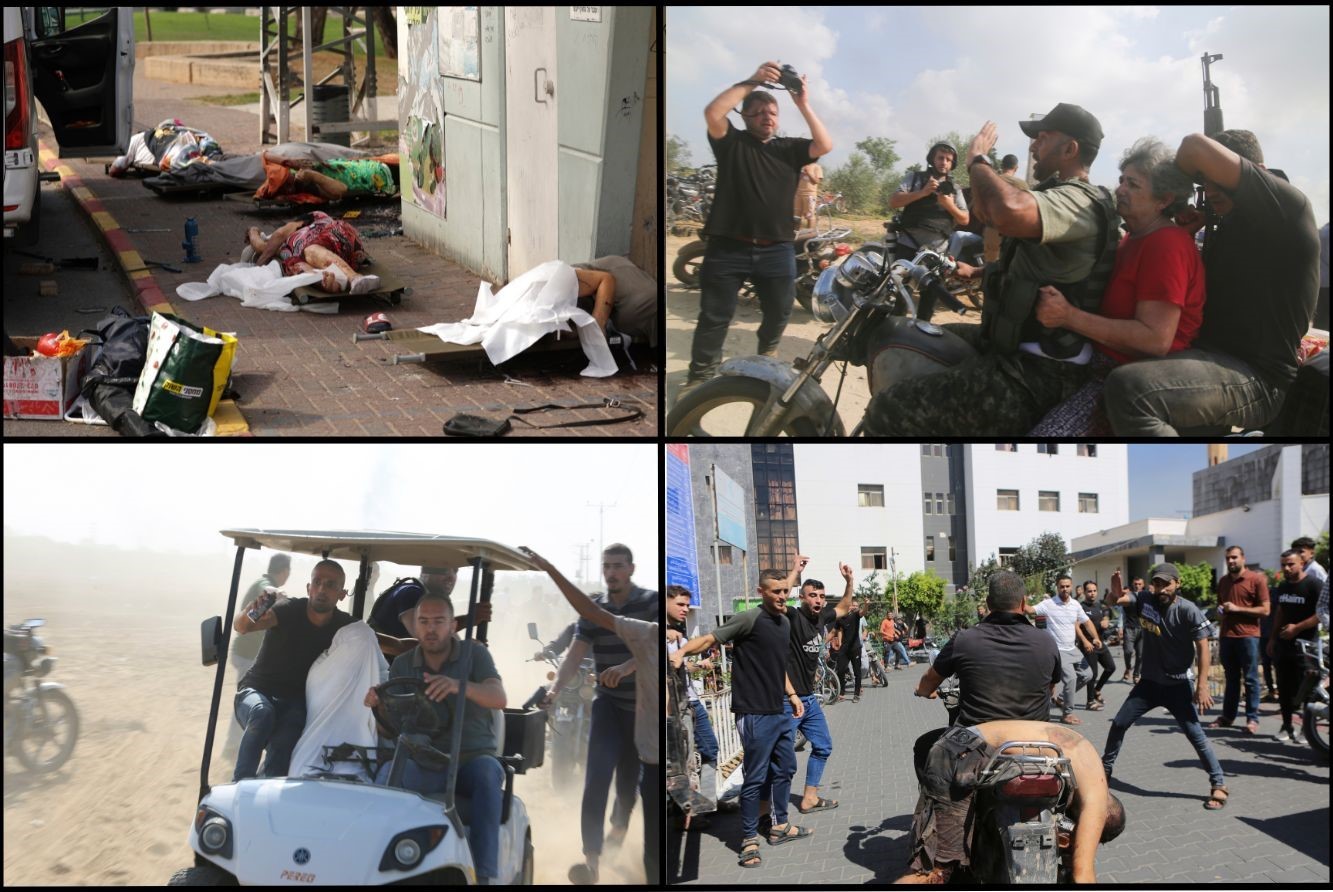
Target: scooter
{"points": [[41, 723], [1313, 696]]}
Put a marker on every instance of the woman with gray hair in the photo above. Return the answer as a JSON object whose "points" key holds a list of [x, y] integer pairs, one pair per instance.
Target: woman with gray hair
{"points": [[1153, 304]]}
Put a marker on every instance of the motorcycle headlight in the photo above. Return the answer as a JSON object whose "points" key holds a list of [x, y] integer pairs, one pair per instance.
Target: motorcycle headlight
{"points": [[860, 270], [829, 302]]}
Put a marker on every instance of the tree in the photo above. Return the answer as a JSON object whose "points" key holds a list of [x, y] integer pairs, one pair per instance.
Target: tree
{"points": [[1196, 583], [960, 144], [979, 576], [871, 595], [1321, 549], [677, 153], [921, 594], [880, 151], [1042, 560], [857, 182]]}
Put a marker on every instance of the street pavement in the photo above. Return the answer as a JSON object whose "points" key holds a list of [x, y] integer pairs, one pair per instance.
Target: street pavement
{"points": [[299, 374], [1274, 830]]}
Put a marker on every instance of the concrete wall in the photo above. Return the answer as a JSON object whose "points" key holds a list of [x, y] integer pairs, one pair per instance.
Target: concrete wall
{"points": [[645, 224], [741, 577], [944, 474], [988, 470], [834, 528]]}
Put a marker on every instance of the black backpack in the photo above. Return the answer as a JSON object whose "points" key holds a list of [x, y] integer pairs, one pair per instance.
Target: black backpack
{"points": [[379, 610], [122, 346]]}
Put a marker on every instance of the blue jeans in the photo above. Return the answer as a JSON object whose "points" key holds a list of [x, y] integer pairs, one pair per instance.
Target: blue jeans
{"points": [[770, 762], [705, 741], [961, 241], [1240, 655], [481, 779], [1188, 390], [899, 652], [1179, 701], [610, 750], [272, 723], [814, 726], [727, 264]]}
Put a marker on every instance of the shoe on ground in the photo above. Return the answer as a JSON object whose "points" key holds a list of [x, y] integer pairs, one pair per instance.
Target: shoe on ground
{"points": [[248, 254], [856, 699], [1251, 728], [582, 875], [376, 323], [1284, 735]]}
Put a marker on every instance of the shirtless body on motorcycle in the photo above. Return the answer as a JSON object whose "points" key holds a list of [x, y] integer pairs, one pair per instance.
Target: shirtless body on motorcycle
{"points": [[1098, 816]]}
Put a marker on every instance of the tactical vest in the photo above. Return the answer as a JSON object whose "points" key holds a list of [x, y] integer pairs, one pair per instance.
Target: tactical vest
{"points": [[1007, 315], [926, 213]]}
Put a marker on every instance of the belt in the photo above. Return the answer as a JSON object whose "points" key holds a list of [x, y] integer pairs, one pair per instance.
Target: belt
{"points": [[757, 242]]}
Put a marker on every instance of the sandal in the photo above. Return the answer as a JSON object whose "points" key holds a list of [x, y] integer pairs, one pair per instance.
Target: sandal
{"points": [[1095, 705], [1213, 802], [777, 837], [1071, 719], [818, 806], [1220, 723], [749, 856], [1251, 728]]}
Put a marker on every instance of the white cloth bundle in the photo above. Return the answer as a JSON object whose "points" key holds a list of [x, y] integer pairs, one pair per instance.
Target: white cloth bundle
{"points": [[335, 692], [264, 287]]}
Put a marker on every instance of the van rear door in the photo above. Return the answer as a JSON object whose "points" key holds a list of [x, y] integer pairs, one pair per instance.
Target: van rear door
{"points": [[84, 78]]}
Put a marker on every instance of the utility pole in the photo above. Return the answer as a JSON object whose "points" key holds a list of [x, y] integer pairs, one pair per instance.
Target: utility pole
{"points": [[583, 563], [601, 517], [893, 574]]}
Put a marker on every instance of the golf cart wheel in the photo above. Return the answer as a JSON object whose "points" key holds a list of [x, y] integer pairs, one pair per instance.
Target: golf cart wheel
{"points": [[202, 875], [529, 857]]}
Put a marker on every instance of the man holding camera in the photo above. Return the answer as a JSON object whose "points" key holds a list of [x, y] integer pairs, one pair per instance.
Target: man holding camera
{"points": [[749, 228], [932, 204]]}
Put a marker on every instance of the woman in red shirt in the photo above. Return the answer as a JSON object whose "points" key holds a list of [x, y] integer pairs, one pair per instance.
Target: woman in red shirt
{"points": [[1153, 304]]}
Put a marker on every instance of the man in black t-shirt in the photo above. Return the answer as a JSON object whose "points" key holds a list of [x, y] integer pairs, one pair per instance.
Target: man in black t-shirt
{"points": [[1100, 655], [760, 640], [850, 652], [270, 697], [1294, 618], [749, 228], [1131, 635], [1262, 267]]}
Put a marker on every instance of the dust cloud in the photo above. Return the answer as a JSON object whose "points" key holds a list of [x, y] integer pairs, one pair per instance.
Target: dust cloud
{"points": [[125, 628]]}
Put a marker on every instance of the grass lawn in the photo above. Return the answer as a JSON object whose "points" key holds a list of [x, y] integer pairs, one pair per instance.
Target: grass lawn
{"points": [[208, 26]]}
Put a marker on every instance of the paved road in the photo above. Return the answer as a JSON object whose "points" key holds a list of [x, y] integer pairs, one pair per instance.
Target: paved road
{"points": [[1274, 831]]}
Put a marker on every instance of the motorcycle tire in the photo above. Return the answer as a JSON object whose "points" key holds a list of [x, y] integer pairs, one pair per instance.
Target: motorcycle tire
{"points": [[29, 741], [685, 416], [565, 767], [882, 676], [1315, 729], [828, 694], [688, 260], [805, 295]]}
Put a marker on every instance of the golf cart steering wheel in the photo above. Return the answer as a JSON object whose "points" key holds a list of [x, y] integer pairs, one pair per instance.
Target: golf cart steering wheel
{"points": [[403, 700]]}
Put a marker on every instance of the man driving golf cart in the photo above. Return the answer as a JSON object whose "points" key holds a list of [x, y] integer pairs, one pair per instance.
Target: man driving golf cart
{"points": [[438, 661]]}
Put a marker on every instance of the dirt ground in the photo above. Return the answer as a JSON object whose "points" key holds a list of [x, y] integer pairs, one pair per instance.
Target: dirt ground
{"points": [[800, 336], [118, 813]]}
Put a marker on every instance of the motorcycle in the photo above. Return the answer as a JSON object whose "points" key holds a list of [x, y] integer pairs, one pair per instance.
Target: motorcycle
{"points": [[568, 720], [41, 723], [685, 782], [1313, 696], [923, 650], [880, 310], [878, 676], [689, 200], [1022, 831]]}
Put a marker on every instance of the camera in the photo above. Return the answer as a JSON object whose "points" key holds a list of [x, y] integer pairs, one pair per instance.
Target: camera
{"points": [[791, 80], [946, 187]]}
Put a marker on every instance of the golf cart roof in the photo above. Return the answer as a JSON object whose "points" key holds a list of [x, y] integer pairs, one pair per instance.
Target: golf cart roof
{"points": [[378, 545]]}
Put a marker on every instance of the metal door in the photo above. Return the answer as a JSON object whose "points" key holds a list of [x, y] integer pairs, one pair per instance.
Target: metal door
{"points": [[531, 178]]}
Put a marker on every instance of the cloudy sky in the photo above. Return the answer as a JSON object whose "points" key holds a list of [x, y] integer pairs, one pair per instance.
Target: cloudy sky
{"points": [[909, 73], [161, 496]]}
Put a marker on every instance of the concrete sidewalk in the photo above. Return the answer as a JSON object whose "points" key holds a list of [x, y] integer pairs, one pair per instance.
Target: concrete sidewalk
{"points": [[299, 374]]}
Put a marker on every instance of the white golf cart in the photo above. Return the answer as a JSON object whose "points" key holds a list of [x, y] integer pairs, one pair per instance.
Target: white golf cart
{"points": [[335, 830]]}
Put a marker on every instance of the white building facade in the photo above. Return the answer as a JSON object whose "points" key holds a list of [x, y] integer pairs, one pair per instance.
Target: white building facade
{"points": [[1016, 492], [859, 504]]}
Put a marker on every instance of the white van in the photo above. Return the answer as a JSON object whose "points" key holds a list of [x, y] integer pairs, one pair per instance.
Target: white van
{"points": [[84, 79]]}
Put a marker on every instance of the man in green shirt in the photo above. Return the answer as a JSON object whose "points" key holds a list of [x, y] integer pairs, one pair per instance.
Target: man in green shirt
{"points": [[1061, 233]]}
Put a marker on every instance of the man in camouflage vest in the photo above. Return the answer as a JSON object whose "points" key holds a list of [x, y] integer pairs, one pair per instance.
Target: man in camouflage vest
{"points": [[1063, 231]]}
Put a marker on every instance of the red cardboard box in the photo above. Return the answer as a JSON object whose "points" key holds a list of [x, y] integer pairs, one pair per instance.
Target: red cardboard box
{"points": [[42, 387]]}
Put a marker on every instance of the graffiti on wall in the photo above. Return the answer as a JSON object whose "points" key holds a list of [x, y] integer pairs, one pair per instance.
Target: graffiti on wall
{"points": [[421, 140], [459, 30], [425, 151]]}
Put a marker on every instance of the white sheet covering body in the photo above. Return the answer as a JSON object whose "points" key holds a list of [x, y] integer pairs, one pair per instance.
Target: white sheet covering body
{"points": [[537, 303], [335, 692], [257, 286]]}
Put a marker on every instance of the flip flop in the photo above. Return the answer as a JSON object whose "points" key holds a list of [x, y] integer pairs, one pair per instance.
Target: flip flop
{"points": [[749, 856], [821, 805], [782, 837], [1212, 803], [376, 323], [1251, 728]]}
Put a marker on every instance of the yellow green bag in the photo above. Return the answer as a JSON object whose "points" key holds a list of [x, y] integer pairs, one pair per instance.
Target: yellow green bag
{"points": [[184, 372]]}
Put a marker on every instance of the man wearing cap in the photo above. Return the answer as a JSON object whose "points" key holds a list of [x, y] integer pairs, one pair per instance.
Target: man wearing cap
{"points": [[1262, 266], [1174, 632], [749, 228], [1062, 233], [932, 204]]}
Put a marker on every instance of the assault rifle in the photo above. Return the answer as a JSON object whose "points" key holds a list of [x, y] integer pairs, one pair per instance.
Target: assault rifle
{"points": [[1212, 120]]}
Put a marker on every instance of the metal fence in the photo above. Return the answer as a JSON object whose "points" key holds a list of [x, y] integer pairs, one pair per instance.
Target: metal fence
{"points": [[729, 753]]}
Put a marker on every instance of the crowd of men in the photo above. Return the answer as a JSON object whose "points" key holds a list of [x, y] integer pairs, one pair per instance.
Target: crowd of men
{"points": [[281, 707], [1008, 667], [1082, 330]]}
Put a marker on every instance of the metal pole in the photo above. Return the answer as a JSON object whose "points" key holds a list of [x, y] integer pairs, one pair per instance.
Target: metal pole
{"points": [[893, 574], [307, 72], [148, 24], [717, 570]]}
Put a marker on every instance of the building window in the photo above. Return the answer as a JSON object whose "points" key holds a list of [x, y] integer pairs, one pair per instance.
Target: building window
{"points": [[1048, 449], [869, 495], [1048, 501], [874, 559], [1006, 500], [930, 549], [937, 449], [951, 553], [1007, 555], [925, 449], [939, 503], [776, 529], [948, 504], [926, 502], [1087, 450], [723, 554], [1087, 503]]}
